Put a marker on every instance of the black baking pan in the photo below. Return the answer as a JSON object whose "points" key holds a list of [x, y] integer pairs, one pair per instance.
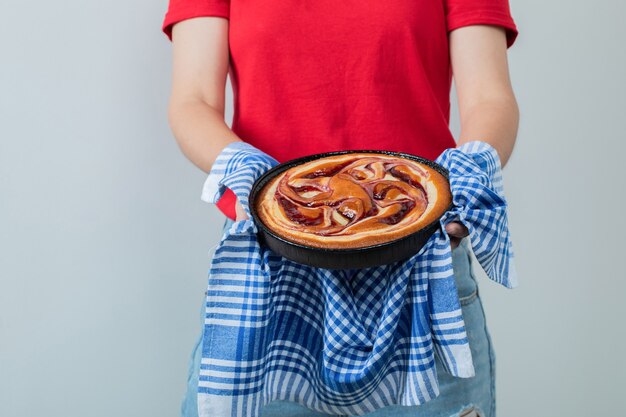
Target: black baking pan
{"points": [[364, 257]]}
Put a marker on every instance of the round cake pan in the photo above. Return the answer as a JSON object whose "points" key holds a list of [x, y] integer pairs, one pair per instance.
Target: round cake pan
{"points": [[357, 258]]}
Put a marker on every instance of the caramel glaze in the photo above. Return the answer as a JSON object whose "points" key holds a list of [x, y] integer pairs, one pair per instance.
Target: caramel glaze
{"points": [[352, 200]]}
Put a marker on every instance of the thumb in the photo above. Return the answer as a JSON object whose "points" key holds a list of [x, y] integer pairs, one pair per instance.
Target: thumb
{"points": [[240, 213], [457, 229]]}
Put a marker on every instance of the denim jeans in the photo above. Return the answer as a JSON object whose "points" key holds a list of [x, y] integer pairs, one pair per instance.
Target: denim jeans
{"points": [[458, 396]]}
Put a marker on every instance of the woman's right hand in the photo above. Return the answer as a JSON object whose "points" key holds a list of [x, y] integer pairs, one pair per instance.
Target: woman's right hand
{"points": [[240, 212]]}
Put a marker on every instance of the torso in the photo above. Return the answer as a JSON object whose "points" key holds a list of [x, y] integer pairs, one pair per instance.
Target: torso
{"points": [[310, 78]]}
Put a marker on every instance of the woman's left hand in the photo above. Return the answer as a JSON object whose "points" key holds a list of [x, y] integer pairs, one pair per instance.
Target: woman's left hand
{"points": [[457, 231]]}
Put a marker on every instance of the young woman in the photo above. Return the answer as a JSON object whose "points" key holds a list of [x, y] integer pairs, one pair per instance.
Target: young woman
{"points": [[327, 76]]}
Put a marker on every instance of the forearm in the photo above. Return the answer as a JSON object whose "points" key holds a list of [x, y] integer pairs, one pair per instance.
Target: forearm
{"points": [[494, 121], [200, 131]]}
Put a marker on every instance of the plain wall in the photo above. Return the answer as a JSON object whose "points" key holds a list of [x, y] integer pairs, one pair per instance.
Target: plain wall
{"points": [[104, 241]]}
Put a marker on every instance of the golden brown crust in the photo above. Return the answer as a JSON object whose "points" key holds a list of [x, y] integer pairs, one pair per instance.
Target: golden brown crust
{"points": [[375, 189]]}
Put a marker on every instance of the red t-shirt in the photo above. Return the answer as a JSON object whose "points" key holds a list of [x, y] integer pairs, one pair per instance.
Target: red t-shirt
{"points": [[311, 77]]}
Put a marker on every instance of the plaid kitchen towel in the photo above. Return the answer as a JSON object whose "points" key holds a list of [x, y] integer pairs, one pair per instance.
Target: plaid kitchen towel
{"points": [[344, 341]]}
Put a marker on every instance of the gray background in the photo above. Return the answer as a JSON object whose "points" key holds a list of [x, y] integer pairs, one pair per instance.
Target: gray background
{"points": [[104, 240]]}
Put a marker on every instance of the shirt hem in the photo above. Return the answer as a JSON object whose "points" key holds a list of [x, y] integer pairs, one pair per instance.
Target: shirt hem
{"points": [[486, 17], [171, 18]]}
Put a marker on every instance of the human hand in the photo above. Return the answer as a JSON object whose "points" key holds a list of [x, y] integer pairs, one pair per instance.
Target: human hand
{"points": [[237, 167], [240, 212], [457, 231]]}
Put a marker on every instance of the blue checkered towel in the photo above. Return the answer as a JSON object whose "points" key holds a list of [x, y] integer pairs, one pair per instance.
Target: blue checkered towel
{"points": [[344, 341]]}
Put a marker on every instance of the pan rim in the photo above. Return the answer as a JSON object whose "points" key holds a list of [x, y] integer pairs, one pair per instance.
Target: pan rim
{"points": [[276, 170]]}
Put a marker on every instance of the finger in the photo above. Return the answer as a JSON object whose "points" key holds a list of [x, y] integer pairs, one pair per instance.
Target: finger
{"points": [[457, 229], [240, 213], [453, 227]]}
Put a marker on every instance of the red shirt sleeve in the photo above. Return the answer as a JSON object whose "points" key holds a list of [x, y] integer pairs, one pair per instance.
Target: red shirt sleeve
{"points": [[461, 13], [226, 204], [185, 9]]}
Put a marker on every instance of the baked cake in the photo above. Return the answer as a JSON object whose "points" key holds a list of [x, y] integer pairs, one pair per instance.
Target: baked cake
{"points": [[352, 200]]}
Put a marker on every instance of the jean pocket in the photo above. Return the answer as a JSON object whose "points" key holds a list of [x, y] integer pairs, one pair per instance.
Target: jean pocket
{"points": [[468, 299], [463, 276]]}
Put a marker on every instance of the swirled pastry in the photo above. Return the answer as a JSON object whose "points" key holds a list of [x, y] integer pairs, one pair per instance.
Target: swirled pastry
{"points": [[352, 200]]}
